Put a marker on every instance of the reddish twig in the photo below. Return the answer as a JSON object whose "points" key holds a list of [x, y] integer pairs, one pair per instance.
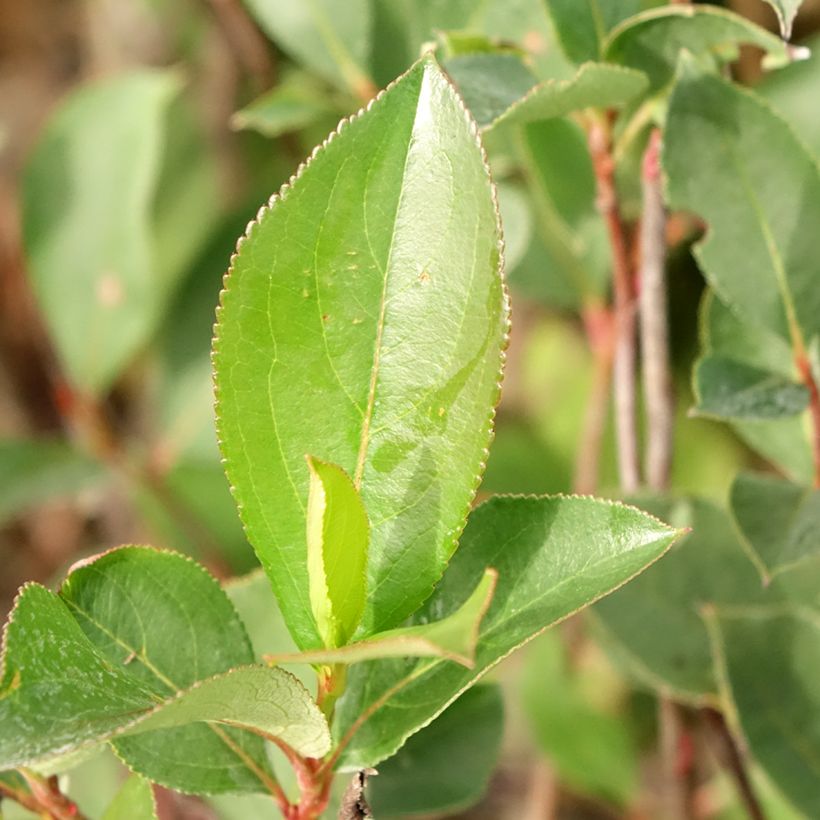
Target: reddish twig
{"points": [[806, 374], [49, 799]]}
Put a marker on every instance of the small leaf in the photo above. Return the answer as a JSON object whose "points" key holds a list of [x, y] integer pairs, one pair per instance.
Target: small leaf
{"points": [[134, 801], [770, 663], [446, 766], [759, 253], [652, 41], [582, 25], [786, 11], [33, 472], [553, 556], [328, 37], [453, 637], [652, 627], [732, 390], [780, 521], [337, 536], [367, 299], [87, 220], [595, 85]]}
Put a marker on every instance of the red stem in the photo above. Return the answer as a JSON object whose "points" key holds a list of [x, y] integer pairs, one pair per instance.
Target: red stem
{"points": [[804, 367]]}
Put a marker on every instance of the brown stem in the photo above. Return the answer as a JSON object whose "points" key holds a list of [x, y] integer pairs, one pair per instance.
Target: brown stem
{"points": [[657, 381], [624, 301], [26, 800], [599, 329], [674, 793], [49, 799], [733, 760], [804, 367]]}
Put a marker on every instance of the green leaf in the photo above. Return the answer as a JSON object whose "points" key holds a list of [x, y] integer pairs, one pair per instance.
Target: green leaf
{"points": [[779, 521], [453, 637], [652, 627], [786, 11], [134, 801], [368, 300], [446, 766], [337, 536], [759, 191], [770, 662], [36, 471], [293, 104], [553, 556], [732, 390], [490, 83], [652, 41], [582, 25], [87, 220], [591, 748], [148, 642], [327, 37], [783, 441], [595, 85]]}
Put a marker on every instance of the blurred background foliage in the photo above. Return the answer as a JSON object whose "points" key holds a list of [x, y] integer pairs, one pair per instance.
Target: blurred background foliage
{"points": [[137, 138]]}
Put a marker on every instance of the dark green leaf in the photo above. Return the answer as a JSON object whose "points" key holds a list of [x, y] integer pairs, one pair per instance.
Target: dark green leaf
{"points": [[655, 621], [88, 223], [653, 40], [732, 390], [780, 521], [446, 766], [368, 300], [770, 663], [32, 472], [553, 556]]}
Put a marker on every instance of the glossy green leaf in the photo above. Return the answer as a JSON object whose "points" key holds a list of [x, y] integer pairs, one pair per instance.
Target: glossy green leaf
{"points": [[595, 85], [582, 25], [453, 637], [35, 471], [770, 662], [88, 223], [779, 521], [590, 748], [759, 191], [653, 40], [490, 83], [337, 536], [553, 556], [134, 801], [446, 766], [792, 92], [291, 105], [786, 11], [653, 628], [783, 441], [325, 36], [728, 389], [364, 321]]}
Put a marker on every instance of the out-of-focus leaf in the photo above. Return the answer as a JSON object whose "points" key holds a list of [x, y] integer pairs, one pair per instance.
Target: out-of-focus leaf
{"points": [[88, 223], [291, 105], [792, 92], [516, 216], [590, 748], [786, 11], [553, 556], [759, 191], [652, 41], [445, 766], [770, 663], [32, 472], [654, 624], [783, 441], [582, 25], [380, 267], [780, 521], [134, 801], [732, 390], [325, 36]]}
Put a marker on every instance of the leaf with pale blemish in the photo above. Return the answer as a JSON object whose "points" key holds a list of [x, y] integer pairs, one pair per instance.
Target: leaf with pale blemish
{"points": [[364, 321]]}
